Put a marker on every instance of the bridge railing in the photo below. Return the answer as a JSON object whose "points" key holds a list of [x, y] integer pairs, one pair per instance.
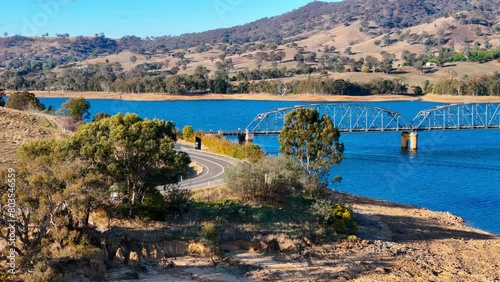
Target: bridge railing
{"points": [[458, 116], [366, 118], [345, 117]]}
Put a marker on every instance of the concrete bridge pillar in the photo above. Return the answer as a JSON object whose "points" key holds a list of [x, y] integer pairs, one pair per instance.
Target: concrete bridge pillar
{"points": [[248, 136], [405, 137], [413, 141]]}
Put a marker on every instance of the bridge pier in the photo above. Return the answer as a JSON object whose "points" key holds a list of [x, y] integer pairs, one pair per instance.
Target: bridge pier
{"points": [[248, 136], [412, 138], [245, 137], [405, 137], [413, 141]]}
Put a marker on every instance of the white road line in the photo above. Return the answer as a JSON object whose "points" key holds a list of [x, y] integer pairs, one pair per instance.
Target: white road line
{"points": [[196, 181]]}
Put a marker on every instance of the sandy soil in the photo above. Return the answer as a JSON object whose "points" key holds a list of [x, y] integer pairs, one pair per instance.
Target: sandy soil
{"points": [[272, 97], [395, 243]]}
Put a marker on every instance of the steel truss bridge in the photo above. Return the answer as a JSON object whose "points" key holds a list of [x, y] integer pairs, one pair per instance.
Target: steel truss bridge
{"points": [[366, 118]]}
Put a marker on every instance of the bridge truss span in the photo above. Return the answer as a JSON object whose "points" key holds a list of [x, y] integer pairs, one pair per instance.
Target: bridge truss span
{"points": [[345, 117], [458, 116]]}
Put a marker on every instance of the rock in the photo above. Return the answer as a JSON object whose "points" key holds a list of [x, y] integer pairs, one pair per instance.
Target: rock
{"points": [[134, 257], [120, 255], [174, 248], [382, 270]]}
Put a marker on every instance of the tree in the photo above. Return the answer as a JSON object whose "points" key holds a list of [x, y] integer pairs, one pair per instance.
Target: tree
{"points": [[188, 133], [387, 61], [312, 141], [418, 91], [387, 39], [258, 62], [338, 86], [24, 101], [311, 57], [77, 108], [280, 55], [371, 62], [420, 66], [50, 78], [299, 57], [54, 196], [201, 72], [136, 152]]}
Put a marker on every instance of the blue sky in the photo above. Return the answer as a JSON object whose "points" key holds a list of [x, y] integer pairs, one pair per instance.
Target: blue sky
{"points": [[117, 18]]}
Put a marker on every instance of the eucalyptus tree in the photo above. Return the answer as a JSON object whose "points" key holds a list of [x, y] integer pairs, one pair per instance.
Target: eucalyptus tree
{"points": [[77, 108], [134, 151], [312, 141]]}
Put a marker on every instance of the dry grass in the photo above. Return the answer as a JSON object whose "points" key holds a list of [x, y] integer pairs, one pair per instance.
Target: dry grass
{"points": [[339, 36], [19, 127], [216, 193]]}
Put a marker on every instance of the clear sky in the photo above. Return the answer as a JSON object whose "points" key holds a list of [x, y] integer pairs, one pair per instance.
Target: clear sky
{"points": [[117, 18]]}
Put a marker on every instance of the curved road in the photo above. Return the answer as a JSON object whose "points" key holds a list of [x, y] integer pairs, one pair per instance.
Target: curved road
{"points": [[213, 165]]}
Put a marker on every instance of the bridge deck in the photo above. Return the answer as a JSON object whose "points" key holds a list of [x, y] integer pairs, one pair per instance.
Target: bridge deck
{"points": [[366, 118]]}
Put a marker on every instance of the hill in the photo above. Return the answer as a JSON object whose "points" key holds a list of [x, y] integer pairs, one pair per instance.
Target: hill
{"points": [[19, 127], [319, 39]]}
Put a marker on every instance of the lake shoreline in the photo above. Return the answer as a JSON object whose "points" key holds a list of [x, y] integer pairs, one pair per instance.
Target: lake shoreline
{"points": [[270, 97], [395, 242]]}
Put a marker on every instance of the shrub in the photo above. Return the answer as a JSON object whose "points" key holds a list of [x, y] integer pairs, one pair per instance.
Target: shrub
{"points": [[208, 232], [188, 133], [208, 242], [222, 146], [177, 201], [152, 207], [42, 272], [418, 91], [269, 181], [335, 215], [100, 116], [24, 101]]}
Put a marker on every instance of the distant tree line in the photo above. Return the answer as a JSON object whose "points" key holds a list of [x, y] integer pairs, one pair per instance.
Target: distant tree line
{"points": [[476, 85]]}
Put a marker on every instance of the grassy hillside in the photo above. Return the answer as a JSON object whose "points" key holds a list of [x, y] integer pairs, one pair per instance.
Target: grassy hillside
{"points": [[323, 34], [19, 127]]}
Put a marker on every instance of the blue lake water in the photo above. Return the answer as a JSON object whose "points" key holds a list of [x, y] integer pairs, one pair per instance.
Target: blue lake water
{"points": [[455, 171]]}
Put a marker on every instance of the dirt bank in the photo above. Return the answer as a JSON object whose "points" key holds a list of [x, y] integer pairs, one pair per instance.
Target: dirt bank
{"points": [[271, 97], [395, 243]]}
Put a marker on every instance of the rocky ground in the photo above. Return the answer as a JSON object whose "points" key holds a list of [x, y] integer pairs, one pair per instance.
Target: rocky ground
{"points": [[395, 243]]}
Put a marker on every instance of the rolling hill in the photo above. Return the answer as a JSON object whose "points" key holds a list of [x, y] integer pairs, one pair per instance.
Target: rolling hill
{"points": [[320, 33]]}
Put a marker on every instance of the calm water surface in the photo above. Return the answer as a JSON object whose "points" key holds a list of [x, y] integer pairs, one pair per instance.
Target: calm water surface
{"points": [[455, 171]]}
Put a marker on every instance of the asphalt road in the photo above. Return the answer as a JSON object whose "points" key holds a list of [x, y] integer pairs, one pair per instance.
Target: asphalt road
{"points": [[213, 166]]}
